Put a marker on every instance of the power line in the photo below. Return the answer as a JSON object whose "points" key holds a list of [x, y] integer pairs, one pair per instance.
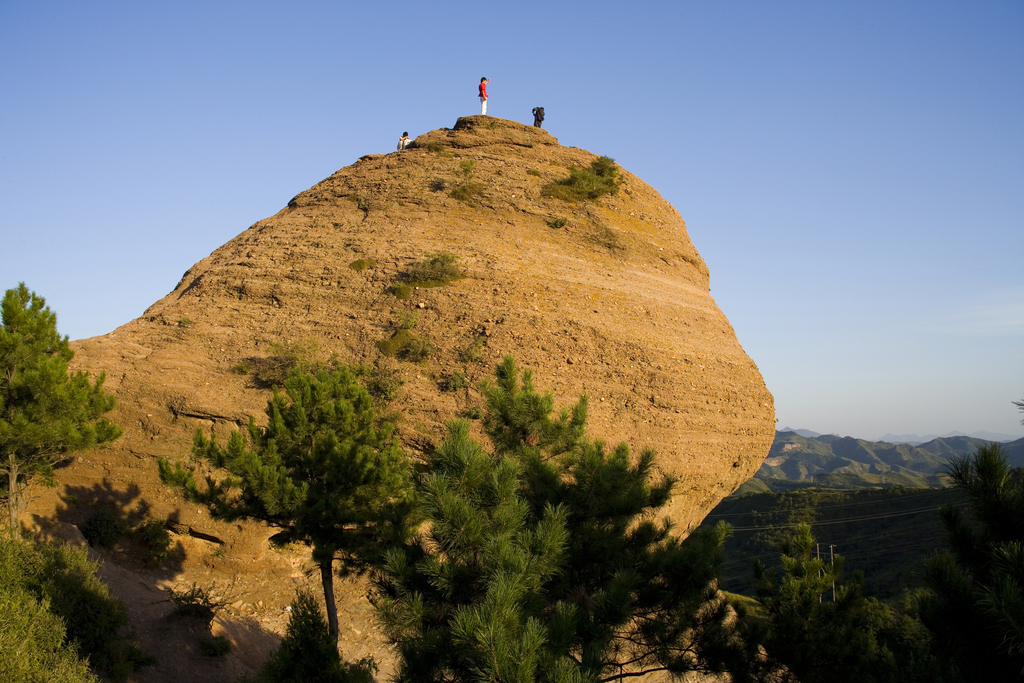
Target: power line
{"points": [[846, 520], [830, 507]]}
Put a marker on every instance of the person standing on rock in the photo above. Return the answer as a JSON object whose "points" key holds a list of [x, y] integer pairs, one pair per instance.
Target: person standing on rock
{"points": [[483, 94], [538, 116]]}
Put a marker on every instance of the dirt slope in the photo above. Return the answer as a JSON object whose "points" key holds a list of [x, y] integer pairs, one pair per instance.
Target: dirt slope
{"points": [[613, 304]]}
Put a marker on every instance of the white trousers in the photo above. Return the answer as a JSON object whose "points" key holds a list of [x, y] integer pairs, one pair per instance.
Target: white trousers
{"points": [[483, 105]]}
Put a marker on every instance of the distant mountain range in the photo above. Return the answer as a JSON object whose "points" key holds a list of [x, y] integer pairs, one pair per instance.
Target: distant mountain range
{"points": [[802, 458], [917, 439]]}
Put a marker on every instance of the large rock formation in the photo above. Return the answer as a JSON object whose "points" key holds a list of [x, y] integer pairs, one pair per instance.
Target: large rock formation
{"points": [[614, 304]]}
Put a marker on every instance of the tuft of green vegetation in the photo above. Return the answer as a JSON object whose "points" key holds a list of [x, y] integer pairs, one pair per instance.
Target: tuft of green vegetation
{"points": [[437, 185], [436, 270], [473, 413], [408, 319], [468, 193], [242, 367], [406, 345], [184, 322], [455, 381], [382, 382], [438, 149], [474, 353], [558, 222], [401, 290], [361, 202], [361, 264], [33, 643], [534, 171], [467, 166], [601, 178]]}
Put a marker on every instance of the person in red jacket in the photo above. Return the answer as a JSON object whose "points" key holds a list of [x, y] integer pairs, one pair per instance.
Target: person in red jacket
{"points": [[483, 94]]}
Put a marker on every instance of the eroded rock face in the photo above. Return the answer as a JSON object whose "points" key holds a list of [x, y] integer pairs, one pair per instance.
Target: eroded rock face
{"points": [[613, 304]]}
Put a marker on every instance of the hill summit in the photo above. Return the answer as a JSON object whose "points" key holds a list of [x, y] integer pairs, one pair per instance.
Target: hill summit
{"points": [[603, 296], [597, 294]]}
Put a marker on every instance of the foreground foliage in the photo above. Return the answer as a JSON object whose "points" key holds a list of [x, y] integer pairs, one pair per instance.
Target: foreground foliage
{"points": [[320, 469], [976, 603], [816, 629], [72, 615], [542, 560], [45, 413], [309, 652]]}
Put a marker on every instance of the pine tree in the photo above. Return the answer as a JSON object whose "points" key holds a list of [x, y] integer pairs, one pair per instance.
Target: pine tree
{"points": [[321, 469], [622, 595], [45, 413], [308, 653], [976, 603], [817, 629], [464, 602]]}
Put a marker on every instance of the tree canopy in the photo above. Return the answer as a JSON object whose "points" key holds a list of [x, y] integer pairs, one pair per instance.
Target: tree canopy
{"points": [[45, 413], [542, 559], [976, 604], [321, 469]]}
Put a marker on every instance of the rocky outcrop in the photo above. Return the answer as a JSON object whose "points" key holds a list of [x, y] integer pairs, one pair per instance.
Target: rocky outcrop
{"points": [[613, 303]]}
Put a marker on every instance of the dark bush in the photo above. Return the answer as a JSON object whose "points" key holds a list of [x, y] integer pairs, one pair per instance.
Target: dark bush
{"points": [[195, 603], [156, 542], [308, 653], [214, 646], [104, 527]]}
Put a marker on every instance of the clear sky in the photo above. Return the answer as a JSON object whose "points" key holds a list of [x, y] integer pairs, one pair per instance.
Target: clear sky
{"points": [[852, 172]]}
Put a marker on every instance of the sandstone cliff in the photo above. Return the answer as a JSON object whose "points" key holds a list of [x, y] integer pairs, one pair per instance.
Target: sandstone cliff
{"points": [[614, 303]]}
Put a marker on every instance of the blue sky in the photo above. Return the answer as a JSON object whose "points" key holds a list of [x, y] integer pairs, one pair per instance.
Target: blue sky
{"points": [[852, 172]]}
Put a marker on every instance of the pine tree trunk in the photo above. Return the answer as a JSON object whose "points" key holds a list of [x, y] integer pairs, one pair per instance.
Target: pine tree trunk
{"points": [[327, 578], [13, 499]]}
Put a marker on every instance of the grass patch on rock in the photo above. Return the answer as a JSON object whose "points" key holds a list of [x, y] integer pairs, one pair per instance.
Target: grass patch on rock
{"points": [[359, 265], [601, 178], [407, 345], [435, 270]]}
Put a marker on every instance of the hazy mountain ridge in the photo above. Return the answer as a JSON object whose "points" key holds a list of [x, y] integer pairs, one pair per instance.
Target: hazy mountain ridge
{"points": [[847, 462], [917, 439]]}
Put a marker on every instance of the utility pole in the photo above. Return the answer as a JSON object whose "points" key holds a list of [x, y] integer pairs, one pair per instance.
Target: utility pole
{"points": [[832, 561], [817, 556]]}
